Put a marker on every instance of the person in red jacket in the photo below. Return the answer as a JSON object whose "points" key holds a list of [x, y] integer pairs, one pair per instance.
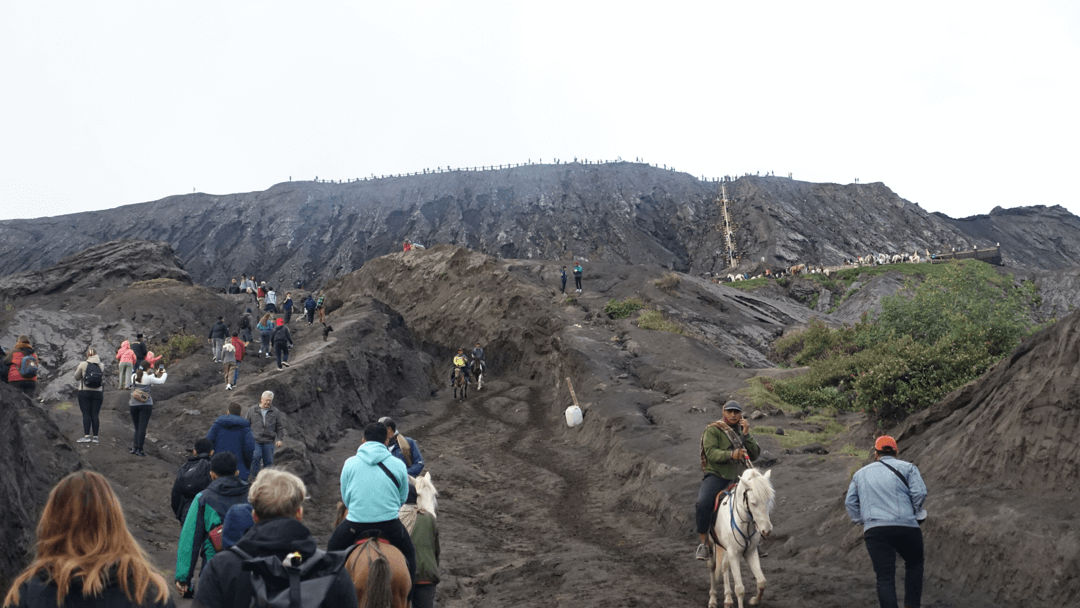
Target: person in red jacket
{"points": [[238, 346], [19, 373]]}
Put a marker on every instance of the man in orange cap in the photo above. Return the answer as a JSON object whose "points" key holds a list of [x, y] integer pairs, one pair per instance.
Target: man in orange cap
{"points": [[886, 497]]}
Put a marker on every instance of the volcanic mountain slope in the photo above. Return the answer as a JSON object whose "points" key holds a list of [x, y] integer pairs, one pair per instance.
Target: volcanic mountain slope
{"points": [[618, 213], [532, 513]]}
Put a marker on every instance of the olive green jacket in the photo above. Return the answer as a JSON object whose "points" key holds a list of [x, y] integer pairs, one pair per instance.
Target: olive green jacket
{"points": [[716, 448]]}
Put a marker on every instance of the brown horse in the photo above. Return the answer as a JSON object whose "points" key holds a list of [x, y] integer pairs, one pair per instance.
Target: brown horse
{"points": [[461, 383], [378, 572]]}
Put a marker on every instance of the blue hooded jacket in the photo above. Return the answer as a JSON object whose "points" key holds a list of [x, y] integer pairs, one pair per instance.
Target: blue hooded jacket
{"points": [[367, 490], [232, 433]]}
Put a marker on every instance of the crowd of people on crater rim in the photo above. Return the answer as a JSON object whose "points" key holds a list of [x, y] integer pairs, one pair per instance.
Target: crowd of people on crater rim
{"points": [[233, 506]]}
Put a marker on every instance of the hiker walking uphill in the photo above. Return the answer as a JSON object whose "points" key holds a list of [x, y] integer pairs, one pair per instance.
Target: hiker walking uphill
{"points": [[231, 432], [246, 324], [278, 536], [238, 350], [126, 357], [22, 366], [320, 307], [201, 533], [404, 448], [265, 327], [282, 339], [191, 478], [268, 429], [228, 362], [271, 300], [141, 403], [90, 384], [886, 497], [218, 334], [726, 446]]}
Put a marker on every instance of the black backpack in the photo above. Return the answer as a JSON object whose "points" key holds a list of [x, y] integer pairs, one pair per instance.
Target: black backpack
{"points": [[275, 585], [193, 478], [92, 376], [245, 322]]}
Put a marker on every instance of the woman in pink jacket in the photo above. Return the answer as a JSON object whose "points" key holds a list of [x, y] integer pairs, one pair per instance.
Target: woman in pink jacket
{"points": [[126, 357]]}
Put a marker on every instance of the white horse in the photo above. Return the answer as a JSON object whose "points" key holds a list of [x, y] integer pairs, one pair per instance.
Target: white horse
{"points": [[427, 497], [741, 523]]}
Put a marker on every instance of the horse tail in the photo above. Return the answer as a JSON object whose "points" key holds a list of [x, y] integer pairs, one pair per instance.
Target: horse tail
{"points": [[378, 592]]}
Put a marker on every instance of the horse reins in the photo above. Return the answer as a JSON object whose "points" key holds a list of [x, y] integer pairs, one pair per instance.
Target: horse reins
{"points": [[749, 518]]}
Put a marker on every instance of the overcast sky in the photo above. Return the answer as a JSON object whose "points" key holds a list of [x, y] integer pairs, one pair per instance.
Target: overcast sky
{"points": [[959, 106]]}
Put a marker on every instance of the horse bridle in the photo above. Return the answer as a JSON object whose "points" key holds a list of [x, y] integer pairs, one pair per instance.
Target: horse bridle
{"points": [[732, 509]]}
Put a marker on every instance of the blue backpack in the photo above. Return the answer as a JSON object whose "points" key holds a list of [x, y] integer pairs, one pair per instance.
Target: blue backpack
{"points": [[28, 368]]}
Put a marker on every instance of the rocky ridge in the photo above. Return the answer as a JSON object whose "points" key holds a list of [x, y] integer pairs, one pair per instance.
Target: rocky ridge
{"points": [[618, 212]]}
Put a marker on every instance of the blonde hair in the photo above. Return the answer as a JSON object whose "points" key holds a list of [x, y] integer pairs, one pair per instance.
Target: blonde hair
{"points": [[83, 536], [276, 493]]}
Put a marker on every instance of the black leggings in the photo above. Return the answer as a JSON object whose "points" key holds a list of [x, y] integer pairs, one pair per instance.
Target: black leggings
{"points": [[711, 485], [90, 404], [348, 532], [140, 418]]}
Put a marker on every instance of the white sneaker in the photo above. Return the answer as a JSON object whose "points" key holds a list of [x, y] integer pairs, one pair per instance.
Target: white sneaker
{"points": [[95, 439], [228, 387], [83, 439]]}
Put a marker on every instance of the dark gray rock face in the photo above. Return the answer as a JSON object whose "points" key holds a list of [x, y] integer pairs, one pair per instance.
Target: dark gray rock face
{"points": [[619, 212], [35, 456], [1037, 237]]}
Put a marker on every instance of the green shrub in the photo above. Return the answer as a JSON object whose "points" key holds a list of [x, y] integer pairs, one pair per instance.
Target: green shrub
{"points": [[668, 282], [621, 310], [655, 320], [929, 339], [179, 346]]}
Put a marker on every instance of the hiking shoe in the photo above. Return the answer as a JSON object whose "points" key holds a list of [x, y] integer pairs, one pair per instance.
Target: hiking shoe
{"points": [[228, 387], [83, 439], [702, 552], [285, 363], [95, 439]]}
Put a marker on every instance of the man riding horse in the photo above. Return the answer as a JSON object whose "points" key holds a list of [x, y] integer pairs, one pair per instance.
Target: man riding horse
{"points": [[726, 449], [461, 362]]}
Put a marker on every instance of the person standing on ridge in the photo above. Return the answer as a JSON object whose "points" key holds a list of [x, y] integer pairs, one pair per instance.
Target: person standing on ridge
{"points": [[139, 348], [309, 309], [562, 278], [126, 356], [141, 403], [886, 497], [287, 306], [90, 375], [577, 276], [726, 450]]}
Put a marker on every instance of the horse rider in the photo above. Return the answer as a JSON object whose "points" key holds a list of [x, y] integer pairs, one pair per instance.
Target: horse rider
{"points": [[888, 501], [478, 357], [726, 450], [460, 362]]}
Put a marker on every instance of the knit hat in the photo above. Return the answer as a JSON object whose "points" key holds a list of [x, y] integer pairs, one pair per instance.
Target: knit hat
{"points": [[237, 522], [280, 322]]}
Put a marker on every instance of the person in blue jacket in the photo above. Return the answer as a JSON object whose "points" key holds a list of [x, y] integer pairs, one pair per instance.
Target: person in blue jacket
{"points": [[232, 433], [374, 485], [886, 497], [404, 448]]}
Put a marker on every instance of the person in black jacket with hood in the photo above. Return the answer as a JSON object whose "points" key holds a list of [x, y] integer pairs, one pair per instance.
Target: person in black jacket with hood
{"points": [[282, 339], [277, 498], [218, 334], [192, 478]]}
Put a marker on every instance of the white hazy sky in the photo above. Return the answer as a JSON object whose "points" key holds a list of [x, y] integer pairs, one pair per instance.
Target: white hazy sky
{"points": [[959, 106]]}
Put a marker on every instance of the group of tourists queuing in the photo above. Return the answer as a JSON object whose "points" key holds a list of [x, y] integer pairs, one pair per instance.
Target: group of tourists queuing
{"points": [[886, 497], [230, 525], [577, 271]]}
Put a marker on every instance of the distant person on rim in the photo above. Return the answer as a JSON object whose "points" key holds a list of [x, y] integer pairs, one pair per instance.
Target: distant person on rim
{"points": [[726, 448], [562, 277], [577, 276], [886, 497]]}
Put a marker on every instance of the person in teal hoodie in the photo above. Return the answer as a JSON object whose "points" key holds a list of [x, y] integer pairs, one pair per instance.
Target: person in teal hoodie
{"points": [[232, 433], [374, 485]]}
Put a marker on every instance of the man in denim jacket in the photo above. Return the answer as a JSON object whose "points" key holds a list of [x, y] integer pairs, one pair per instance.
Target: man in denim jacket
{"points": [[886, 497]]}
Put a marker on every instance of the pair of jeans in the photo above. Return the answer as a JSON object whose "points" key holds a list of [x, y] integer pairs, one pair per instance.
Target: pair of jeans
{"points": [[140, 419], [90, 405], [348, 532], [125, 374], [218, 343], [281, 351], [263, 456], [883, 543], [711, 485], [235, 374]]}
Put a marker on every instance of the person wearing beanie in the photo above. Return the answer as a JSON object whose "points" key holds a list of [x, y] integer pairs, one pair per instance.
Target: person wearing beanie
{"points": [[238, 521], [726, 450], [282, 341], [886, 497]]}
